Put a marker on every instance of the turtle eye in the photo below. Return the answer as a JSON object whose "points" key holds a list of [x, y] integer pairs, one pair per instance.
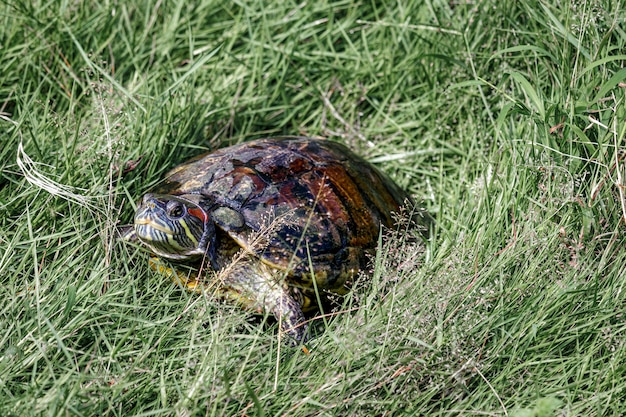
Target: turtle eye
{"points": [[175, 209]]}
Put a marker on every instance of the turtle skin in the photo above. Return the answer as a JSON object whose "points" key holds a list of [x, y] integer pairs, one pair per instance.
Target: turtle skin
{"points": [[302, 214]]}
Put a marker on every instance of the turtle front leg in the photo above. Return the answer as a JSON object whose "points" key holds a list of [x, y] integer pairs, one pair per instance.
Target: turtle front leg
{"points": [[188, 281], [249, 284], [255, 286]]}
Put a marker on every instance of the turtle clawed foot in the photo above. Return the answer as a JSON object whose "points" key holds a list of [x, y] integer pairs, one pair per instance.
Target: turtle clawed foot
{"points": [[292, 323], [296, 334]]}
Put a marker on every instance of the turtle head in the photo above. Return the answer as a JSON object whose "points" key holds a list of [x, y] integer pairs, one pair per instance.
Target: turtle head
{"points": [[173, 227]]}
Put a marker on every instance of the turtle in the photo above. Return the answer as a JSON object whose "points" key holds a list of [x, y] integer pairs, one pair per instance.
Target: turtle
{"points": [[273, 225]]}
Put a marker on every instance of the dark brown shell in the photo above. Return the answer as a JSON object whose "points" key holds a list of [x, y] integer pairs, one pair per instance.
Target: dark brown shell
{"points": [[332, 202]]}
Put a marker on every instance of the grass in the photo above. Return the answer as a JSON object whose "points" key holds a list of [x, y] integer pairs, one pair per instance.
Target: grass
{"points": [[505, 118]]}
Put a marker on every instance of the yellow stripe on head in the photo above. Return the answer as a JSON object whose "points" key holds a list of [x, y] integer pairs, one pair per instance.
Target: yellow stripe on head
{"points": [[190, 235]]}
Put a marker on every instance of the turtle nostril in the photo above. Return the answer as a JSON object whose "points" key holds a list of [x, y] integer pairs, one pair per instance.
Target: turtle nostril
{"points": [[148, 201]]}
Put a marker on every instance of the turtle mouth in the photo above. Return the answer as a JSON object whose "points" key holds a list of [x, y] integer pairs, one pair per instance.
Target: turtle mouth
{"points": [[160, 239], [148, 223]]}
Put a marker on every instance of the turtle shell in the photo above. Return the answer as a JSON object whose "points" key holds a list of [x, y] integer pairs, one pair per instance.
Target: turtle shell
{"points": [[311, 203]]}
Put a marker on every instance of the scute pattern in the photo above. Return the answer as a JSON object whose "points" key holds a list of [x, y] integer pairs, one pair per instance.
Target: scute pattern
{"points": [[336, 202]]}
